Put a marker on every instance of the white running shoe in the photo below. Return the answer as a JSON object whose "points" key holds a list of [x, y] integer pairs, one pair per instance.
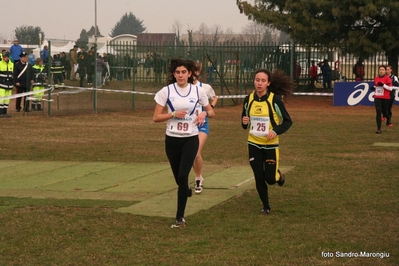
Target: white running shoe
{"points": [[199, 185], [179, 223]]}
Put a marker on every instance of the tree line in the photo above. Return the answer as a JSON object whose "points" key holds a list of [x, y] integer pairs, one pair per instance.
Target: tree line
{"points": [[366, 27]]}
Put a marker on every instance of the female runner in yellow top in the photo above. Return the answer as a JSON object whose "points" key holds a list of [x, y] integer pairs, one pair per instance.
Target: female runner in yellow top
{"points": [[265, 116]]}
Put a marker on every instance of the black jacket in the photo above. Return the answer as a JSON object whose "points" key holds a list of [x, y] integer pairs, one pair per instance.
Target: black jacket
{"points": [[26, 77]]}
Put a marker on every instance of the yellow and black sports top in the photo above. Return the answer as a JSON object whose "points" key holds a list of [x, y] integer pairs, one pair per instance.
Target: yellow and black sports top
{"points": [[266, 113]]}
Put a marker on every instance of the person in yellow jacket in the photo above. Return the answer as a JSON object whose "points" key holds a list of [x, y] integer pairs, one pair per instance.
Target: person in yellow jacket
{"points": [[39, 83], [265, 116], [6, 83]]}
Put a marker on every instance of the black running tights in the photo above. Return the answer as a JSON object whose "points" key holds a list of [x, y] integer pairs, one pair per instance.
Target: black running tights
{"points": [[264, 164], [181, 153]]}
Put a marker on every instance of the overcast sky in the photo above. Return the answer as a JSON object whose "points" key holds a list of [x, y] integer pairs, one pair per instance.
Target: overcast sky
{"points": [[64, 19]]}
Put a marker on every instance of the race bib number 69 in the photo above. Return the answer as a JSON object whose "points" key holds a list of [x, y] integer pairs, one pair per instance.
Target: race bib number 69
{"points": [[181, 126]]}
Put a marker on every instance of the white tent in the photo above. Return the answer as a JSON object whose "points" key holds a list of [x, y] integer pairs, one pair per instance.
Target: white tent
{"points": [[104, 49], [59, 49], [55, 49]]}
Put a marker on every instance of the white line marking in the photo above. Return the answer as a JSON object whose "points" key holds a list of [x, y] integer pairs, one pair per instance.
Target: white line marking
{"points": [[243, 182]]}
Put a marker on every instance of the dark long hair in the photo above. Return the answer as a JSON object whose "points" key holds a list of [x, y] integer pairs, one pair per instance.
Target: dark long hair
{"points": [[280, 83], [176, 62]]}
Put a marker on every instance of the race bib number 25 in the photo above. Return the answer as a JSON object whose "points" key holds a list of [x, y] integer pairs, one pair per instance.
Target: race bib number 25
{"points": [[259, 126]]}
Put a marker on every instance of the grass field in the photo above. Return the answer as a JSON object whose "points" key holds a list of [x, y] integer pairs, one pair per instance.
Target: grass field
{"points": [[340, 196]]}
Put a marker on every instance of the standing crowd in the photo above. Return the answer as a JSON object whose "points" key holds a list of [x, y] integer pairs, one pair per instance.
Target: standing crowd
{"points": [[23, 72], [27, 73]]}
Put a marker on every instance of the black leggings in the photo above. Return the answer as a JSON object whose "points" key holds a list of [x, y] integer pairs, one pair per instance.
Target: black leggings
{"points": [[181, 153], [390, 106], [264, 164], [19, 99], [381, 107]]}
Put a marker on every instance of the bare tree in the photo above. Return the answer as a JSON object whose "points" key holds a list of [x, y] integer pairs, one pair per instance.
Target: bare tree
{"points": [[177, 28], [203, 33], [257, 33], [229, 31], [190, 37], [216, 30]]}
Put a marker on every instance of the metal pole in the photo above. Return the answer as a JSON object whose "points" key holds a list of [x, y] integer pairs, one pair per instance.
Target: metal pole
{"points": [[95, 58], [49, 62], [292, 59]]}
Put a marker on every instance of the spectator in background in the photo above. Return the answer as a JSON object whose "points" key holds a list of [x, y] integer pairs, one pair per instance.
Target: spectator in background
{"points": [[106, 75], [82, 59], [109, 61], [336, 65], [57, 69], [148, 65], [247, 64], [44, 55], [22, 80], [118, 64], [189, 56], [158, 65], [100, 69], [90, 67], [82, 52], [31, 58], [73, 61], [15, 51], [39, 83], [67, 66], [395, 83], [135, 64], [326, 72], [210, 68], [313, 75], [127, 66], [298, 71], [1, 55], [358, 70], [6, 83], [149, 54]]}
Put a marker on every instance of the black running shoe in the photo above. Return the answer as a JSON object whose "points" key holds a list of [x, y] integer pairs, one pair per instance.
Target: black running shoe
{"points": [[190, 192], [266, 211], [281, 181]]}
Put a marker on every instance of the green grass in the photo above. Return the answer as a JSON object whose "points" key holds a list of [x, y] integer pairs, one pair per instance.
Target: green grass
{"points": [[340, 196]]}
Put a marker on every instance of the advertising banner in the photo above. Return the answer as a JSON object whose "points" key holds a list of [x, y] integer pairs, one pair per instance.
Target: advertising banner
{"points": [[356, 93]]}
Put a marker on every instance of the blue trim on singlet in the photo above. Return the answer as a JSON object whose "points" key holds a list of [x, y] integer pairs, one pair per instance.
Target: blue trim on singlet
{"points": [[196, 102], [206, 118], [169, 103], [179, 93]]}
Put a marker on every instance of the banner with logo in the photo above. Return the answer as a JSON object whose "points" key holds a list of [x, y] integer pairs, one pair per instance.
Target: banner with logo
{"points": [[356, 93]]}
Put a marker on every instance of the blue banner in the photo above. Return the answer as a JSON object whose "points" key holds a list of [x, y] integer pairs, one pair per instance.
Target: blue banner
{"points": [[355, 93]]}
